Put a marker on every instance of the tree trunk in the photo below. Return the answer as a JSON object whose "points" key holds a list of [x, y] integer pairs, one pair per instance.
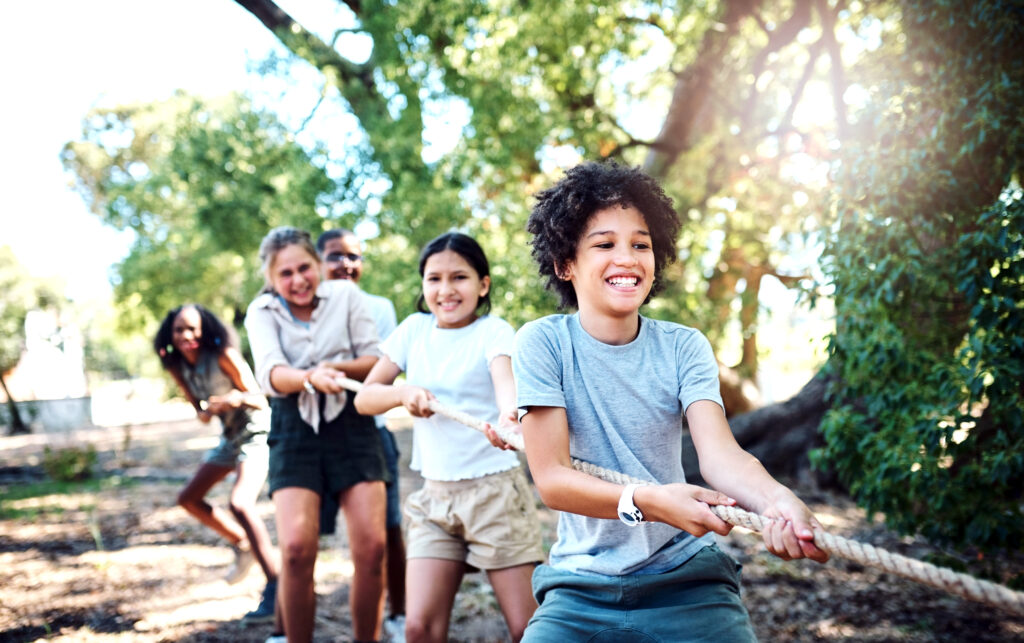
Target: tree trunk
{"points": [[18, 425], [780, 435], [693, 91]]}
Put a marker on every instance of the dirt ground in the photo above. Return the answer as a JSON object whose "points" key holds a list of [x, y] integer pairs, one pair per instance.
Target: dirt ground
{"points": [[121, 562]]}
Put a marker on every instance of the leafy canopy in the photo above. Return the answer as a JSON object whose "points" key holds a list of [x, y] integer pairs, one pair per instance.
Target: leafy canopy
{"points": [[928, 265], [200, 182]]}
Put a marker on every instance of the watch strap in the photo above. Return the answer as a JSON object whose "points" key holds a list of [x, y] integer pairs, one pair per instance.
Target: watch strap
{"points": [[628, 511]]}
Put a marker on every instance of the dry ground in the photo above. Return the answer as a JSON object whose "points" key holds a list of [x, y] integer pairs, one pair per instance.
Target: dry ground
{"points": [[120, 562]]}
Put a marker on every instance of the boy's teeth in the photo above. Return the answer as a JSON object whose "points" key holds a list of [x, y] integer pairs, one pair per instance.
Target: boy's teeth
{"points": [[622, 281]]}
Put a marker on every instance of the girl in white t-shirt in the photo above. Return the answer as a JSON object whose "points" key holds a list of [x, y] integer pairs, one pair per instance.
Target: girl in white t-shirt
{"points": [[475, 510]]}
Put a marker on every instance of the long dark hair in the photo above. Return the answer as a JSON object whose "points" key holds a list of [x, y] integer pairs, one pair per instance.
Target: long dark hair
{"points": [[215, 338], [466, 247]]}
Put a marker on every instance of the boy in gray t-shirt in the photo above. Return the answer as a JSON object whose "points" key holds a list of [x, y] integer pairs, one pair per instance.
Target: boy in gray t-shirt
{"points": [[610, 387]]}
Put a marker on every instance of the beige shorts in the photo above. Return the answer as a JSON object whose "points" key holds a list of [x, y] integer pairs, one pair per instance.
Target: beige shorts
{"points": [[488, 523]]}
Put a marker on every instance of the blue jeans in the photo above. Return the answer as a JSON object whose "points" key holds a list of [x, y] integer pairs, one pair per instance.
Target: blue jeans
{"points": [[697, 601]]}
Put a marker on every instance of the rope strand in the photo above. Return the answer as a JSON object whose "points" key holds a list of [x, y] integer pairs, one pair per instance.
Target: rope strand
{"points": [[956, 583]]}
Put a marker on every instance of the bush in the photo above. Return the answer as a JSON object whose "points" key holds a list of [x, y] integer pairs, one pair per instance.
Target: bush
{"points": [[927, 413], [69, 463]]}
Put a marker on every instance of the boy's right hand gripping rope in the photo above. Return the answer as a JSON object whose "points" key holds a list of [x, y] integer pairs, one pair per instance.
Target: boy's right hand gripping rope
{"points": [[942, 578]]}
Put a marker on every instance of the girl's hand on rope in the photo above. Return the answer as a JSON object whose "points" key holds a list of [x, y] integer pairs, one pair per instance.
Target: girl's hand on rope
{"points": [[684, 506], [324, 378], [789, 534], [218, 404], [509, 422], [416, 400]]}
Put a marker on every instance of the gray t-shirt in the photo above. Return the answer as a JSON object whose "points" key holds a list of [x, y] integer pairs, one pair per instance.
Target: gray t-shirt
{"points": [[625, 406]]}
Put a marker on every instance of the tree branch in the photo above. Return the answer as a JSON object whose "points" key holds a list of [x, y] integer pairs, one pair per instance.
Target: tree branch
{"points": [[354, 81], [692, 90], [814, 51], [777, 39], [838, 73]]}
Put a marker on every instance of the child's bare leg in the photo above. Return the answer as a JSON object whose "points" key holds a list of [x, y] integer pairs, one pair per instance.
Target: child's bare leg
{"points": [[430, 588], [249, 478], [193, 498], [364, 507], [512, 587], [297, 512]]}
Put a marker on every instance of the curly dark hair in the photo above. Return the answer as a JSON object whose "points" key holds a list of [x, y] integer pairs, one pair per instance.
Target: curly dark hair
{"points": [[561, 214], [216, 337]]}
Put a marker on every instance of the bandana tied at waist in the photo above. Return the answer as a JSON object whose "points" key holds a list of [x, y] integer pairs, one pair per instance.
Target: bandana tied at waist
{"points": [[310, 408]]}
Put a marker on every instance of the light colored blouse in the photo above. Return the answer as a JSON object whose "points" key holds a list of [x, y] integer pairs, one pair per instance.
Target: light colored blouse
{"points": [[340, 329]]}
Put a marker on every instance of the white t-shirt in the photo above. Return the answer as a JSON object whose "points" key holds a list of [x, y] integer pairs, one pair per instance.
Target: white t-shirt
{"points": [[453, 364]]}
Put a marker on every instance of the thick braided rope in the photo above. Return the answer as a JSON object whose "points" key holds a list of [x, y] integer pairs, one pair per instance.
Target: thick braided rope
{"points": [[954, 582]]}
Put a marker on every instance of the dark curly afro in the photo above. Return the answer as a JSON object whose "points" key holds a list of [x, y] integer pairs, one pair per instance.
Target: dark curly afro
{"points": [[561, 214]]}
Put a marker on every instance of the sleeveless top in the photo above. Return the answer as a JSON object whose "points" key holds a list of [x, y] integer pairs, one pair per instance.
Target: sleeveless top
{"points": [[205, 379]]}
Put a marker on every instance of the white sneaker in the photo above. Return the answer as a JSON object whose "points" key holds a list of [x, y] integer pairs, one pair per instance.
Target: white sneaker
{"points": [[244, 561], [394, 628], [277, 638]]}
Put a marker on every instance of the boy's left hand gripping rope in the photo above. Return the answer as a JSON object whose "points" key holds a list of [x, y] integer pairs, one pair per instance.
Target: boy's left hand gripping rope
{"points": [[940, 577]]}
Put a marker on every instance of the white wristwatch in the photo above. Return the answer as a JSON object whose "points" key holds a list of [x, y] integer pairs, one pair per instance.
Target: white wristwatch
{"points": [[628, 512]]}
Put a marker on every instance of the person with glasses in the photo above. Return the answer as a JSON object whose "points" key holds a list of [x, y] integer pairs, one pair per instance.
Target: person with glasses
{"points": [[342, 255]]}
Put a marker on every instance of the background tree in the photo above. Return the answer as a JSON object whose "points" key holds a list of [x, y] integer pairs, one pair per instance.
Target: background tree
{"points": [[21, 294], [730, 103], [927, 417], [199, 182], [747, 111], [906, 93]]}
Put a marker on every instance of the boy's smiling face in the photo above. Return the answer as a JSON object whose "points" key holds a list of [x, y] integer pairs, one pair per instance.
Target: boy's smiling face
{"points": [[613, 270]]}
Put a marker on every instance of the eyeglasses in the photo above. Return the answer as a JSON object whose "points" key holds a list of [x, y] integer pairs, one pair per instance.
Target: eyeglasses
{"points": [[337, 257]]}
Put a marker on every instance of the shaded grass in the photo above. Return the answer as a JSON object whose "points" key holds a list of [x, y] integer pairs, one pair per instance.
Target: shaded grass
{"points": [[11, 495]]}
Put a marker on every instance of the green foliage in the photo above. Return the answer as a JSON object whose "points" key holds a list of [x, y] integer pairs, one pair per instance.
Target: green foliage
{"points": [[927, 259], [544, 83], [68, 464], [200, 183]]}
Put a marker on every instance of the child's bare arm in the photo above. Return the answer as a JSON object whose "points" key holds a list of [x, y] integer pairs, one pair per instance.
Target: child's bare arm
{"points": [[728, 468], [546, 432], [505, 395], [203, 415], [246, 391], [357, 368], [380, 394]]}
